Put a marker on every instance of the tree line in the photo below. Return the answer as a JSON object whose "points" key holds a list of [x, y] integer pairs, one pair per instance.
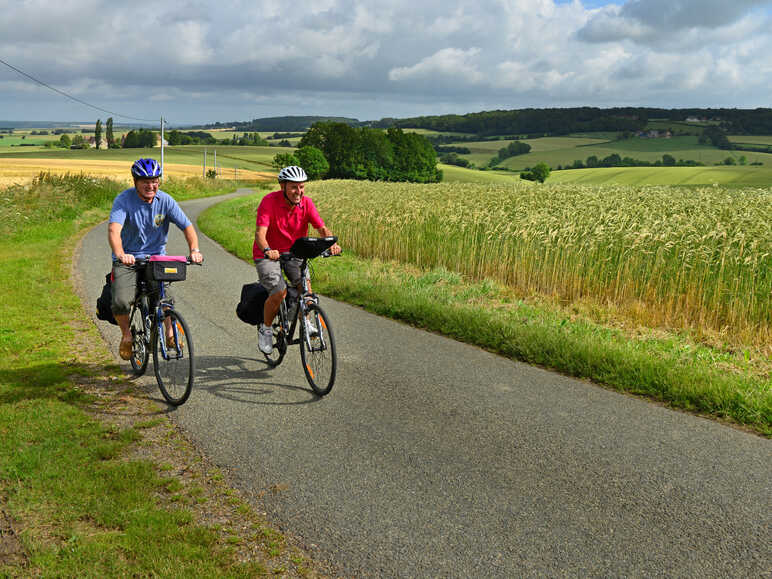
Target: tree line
{"points": [[562, 121]]}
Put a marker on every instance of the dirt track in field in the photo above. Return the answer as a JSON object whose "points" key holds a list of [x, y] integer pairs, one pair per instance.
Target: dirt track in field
{"points": [[14, 171]]}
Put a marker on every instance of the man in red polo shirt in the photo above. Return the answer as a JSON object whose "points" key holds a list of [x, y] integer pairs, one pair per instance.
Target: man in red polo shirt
{"points": [[282, 217]]}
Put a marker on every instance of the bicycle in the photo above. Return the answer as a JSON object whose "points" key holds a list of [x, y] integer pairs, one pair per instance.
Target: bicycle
{"points": [[173, 361], [317, 344]]}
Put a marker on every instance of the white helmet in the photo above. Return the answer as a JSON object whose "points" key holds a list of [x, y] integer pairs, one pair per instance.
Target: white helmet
{"points": [[293, 173]]}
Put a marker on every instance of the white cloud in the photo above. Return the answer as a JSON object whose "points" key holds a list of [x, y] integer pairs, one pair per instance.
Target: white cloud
{"points": [[373, 58], [450, 62]]}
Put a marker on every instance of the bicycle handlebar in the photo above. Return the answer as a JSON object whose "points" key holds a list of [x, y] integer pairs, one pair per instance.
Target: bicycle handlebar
{"points": [[286, 256], [144, 261]]}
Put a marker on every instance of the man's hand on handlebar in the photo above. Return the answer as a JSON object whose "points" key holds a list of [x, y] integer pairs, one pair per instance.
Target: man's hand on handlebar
{"points": [[273, 254], [126, 259], [196, 257], [335, 249]]}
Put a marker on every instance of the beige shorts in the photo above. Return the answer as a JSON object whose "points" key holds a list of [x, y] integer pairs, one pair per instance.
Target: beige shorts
{"points": [[270, 277]]}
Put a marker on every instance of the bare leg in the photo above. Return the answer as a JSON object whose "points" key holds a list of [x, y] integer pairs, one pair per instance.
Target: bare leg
{"points": [[123, 324], [272, 306], [125, 348]]}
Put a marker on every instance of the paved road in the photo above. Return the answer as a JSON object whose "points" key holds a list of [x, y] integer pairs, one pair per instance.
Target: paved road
{"points": [[432, 458]]}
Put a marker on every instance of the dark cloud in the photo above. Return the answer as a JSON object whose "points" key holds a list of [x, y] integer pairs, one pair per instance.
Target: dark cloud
{"points": [[652, 20]]}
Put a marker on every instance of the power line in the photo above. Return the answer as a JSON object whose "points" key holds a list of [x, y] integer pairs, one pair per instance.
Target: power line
{"points": [[40, 82]]}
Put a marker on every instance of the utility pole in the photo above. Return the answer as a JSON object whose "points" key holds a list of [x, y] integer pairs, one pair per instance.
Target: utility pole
{"points": [[162, 147], [204, 173]]}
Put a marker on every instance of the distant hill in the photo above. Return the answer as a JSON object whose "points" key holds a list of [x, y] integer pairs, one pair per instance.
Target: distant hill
{"points": [[281, 124], [37, 124]]}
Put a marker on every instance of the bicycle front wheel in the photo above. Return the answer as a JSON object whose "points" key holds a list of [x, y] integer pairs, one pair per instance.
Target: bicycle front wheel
{"points": [[173, 360], [140, 338], [317, 350]]}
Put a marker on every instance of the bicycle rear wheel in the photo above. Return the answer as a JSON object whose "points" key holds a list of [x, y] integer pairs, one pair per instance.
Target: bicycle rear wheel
{"points": [[279, 339], [174, 367], [140, 338], [317, 350]]}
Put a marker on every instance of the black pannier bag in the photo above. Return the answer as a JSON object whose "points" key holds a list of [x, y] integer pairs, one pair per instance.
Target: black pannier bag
{"points": [[104, 308], [166, 268], [250, 308]]}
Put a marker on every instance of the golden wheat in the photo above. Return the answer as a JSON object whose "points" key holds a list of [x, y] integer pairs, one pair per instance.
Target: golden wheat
{"points": [[690, 258]]}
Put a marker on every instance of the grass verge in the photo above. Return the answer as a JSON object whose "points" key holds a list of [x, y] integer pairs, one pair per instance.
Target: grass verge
{"points": [[667, 367], [94, 480]]}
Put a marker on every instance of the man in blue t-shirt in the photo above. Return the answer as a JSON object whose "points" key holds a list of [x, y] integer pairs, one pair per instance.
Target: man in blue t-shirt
{"points": [[138, 228]]}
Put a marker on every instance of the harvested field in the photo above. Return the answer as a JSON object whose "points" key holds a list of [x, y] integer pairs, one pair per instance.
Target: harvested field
{"points": [[19, 171]]}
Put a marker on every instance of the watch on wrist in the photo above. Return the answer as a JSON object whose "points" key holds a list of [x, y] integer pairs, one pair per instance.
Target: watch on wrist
{"points": [[266, 250], [194, 250]]}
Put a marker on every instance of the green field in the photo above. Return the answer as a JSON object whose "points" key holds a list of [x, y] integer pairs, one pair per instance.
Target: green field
{"points": [[14, 140], [752, 140], [563, 151], [481, 152], [453, 174], [731, 176], [651, 150]]}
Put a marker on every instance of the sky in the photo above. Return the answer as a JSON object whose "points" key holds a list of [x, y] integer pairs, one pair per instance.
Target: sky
{"points": [[193, 62]]}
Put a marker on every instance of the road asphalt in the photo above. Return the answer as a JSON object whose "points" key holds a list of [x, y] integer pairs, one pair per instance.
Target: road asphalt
{"points": [[433, 458]]}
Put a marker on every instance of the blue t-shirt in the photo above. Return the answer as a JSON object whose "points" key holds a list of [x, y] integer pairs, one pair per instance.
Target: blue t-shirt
{"points": [[146, 225]]}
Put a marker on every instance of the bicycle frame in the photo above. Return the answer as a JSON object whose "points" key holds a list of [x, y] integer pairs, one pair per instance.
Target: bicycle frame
{"points": [[156, 309], [288, 313]]}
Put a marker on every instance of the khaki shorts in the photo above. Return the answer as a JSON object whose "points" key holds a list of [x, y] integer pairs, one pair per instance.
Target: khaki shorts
{"points": [[125, 288], [270, 277]]}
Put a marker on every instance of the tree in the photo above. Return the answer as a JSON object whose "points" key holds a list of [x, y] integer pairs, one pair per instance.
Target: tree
{"points": [[668, 160], [284, 160], [109, 134], [79, 142], [98, 133], [539, 173], [613, 160], [65, 141], [313, 162], [139, 139]]}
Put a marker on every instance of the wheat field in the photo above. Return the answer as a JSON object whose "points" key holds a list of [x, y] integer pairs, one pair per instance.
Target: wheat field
{"points": [[22, 170], [692, 258]]}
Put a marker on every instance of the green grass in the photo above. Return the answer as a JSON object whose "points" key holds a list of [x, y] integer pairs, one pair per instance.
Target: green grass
{"points": [[454, 174], [84, 509], [666, 366]]}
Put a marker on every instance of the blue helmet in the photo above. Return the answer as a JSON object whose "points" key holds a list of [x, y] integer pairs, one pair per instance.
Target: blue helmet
{"points": [[146, 169]]}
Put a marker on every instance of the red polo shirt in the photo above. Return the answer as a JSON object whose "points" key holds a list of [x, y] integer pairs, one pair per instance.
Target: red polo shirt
{"points": [[285, 222]]}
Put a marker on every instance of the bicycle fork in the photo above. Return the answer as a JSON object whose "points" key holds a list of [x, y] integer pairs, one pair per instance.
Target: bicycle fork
{"points": [[177, 333]]}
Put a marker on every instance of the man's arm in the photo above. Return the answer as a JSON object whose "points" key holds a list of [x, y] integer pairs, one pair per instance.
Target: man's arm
{"points": [[262, 242], [192, 238], [116, 244]]}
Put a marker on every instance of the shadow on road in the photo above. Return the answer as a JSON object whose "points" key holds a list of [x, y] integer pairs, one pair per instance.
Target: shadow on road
{"points": [[247, 380]]}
